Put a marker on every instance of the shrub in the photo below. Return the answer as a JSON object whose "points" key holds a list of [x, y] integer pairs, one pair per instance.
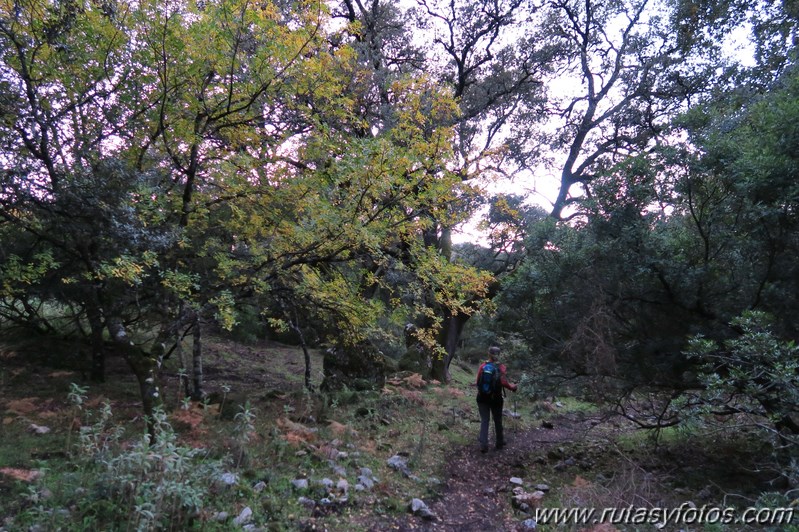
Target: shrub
{"points": [[755, 377], [145, 485]]}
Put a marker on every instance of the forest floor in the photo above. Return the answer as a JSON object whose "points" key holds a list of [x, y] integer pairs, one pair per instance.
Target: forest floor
{"points": [[561, 453], [478, 493]]}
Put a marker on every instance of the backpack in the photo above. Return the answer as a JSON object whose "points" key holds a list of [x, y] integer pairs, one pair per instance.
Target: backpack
{"points": [[489, 379]]}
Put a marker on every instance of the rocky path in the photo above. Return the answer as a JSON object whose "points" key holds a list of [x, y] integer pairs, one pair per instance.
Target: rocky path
{"points": [[478, 493]]}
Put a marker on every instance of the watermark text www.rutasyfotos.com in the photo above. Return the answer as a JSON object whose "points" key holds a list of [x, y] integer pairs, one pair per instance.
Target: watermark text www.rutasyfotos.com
{"points": [[685, 514]]}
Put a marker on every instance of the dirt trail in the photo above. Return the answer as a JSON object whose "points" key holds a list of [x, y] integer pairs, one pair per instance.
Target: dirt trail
{"points": [[477, 493]]}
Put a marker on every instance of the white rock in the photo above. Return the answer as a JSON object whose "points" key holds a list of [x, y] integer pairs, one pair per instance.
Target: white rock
{"points": [[244, 517], [366, 482], [305, 501], [228, 479], [418, 507], [300, 483]]}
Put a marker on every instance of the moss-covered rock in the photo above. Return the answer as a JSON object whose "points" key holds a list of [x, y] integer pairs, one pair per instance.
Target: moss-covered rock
{"points": [[417, 360]]}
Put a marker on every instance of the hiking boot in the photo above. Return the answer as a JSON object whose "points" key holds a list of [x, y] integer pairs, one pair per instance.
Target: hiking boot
{"points": [[483, 448], [501, 444]]}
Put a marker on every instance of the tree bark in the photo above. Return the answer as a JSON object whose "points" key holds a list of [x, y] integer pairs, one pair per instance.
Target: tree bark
{"points": [[184, 384], [450, 334], [306, 355], [97, 373], [448, 338], [197, 361], [145, 368]]}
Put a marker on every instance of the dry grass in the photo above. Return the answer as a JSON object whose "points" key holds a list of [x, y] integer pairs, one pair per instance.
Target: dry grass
{"points": [[630, 485]]}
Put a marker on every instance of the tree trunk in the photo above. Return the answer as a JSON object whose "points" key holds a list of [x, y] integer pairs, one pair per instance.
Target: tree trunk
{"points": [[197, 358], [145, 368], [184, 384], [306, 354], [450, 334], [451, 329], [97, 373]]}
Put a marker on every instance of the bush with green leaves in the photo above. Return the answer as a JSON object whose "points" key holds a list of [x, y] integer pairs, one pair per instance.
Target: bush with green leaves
{"points": [[160, 483], [141, 485], [754, 374]]}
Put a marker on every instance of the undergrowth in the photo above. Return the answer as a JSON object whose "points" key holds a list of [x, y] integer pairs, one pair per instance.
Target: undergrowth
{"points": [[113, 483], [103, 472], [210, 462]]}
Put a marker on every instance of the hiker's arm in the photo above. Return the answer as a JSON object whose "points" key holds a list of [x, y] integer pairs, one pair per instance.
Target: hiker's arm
{"points": [[503, 379]]}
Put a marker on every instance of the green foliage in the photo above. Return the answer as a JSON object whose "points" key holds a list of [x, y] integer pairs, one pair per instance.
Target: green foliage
{"points": [[145, 485], [244, 429], [179, 163], [679, 240], [753, 373], [15, 275]]}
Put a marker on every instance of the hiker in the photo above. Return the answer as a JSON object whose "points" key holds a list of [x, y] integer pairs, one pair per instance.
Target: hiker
{"points": [[490, 382]]}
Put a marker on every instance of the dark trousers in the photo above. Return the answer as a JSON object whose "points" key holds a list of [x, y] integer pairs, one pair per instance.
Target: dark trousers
{"points": [[488, 410]]}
